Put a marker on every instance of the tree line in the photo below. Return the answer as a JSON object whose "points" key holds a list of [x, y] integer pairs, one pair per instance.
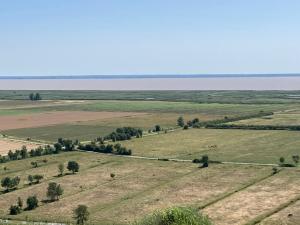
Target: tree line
{"points": [[35, 96], [124, 133], [116, 149], [23, 153]]}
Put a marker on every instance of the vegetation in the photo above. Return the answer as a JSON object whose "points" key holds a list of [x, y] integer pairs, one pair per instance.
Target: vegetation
{"points": [[61, 169], [81, 214], [73, 166], [10, 183], [116, 149], [176, 216], [35, 96], [32, 202], [54, 191], [124, 133]]}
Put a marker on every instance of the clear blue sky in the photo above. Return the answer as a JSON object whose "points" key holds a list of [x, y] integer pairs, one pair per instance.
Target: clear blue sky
{"points": [[65, 37]]}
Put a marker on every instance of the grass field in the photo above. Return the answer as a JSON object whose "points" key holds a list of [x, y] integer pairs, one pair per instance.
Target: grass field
{"points": [[194, 96], [278, 119], [140, 186], [90, 130], [223, 145]]}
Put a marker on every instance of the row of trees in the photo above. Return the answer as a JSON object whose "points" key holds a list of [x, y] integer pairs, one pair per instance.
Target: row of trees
{"points": [[35, 96], [116, 149], [124, 133], [23, 153], [11, 183], [190, 123]]}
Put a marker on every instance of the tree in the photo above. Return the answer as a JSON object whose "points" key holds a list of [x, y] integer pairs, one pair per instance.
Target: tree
{"points": [[10, 183], [73, 166], [180, 121], [54, 190], [157, 128], [38, 97], [282, 160], [30, 179], [205, 161], [32, 202], [31, 96], [34, 164], [14, 210], [81, 214], [20, 202], [61, 169]]}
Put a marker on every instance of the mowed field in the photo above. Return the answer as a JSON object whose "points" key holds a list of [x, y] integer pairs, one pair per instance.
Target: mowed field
{"points": [[250, 146], [228, 194]]}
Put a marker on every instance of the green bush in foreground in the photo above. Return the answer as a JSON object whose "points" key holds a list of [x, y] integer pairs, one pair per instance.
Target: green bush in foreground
{"points": [[175, 216]]}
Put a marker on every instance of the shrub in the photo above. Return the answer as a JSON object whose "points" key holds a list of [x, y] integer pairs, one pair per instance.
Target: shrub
{"points": [[185, 127], [32, 202], [175, 216], [14, 210]]}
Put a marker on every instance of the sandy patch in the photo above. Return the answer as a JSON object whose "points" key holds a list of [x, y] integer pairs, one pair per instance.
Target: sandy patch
{"points": [[59, 117], [6, 145]]}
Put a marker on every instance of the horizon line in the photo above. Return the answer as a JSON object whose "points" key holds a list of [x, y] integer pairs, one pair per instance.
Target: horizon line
{"points": [[151, 76]]}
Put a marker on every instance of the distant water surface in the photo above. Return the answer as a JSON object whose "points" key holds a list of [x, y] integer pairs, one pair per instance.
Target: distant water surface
{"points": [[216, 83]]}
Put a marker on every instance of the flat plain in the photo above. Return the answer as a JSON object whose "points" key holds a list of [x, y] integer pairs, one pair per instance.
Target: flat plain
{"points": [[243, 190]]}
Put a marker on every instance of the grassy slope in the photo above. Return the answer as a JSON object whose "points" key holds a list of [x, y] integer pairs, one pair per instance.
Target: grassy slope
{"points": [[139, 187]]}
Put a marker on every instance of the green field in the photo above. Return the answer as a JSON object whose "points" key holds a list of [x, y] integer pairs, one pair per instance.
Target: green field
{"points": [[222, 145], [253, 97], [278, 119]]}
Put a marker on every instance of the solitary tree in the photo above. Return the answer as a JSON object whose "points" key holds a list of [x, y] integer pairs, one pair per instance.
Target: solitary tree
{"points": [[282, 160], [81, 214], [61, 169], [54, 191], [73, 166], [32, 202], [30, 179], [205, 161], [180, 121]]}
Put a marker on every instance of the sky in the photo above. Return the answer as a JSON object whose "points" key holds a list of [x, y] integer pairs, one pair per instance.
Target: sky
{"points": [[78, 37]]}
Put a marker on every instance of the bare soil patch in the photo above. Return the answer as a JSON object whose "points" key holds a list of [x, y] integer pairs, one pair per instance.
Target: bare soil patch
{"points": [[58, 117], [6, 145]]}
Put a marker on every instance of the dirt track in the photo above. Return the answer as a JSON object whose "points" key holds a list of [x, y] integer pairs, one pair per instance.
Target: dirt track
{"points": [[52, 118]]}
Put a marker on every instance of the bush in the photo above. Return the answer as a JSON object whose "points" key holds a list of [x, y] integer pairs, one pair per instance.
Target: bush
{"points": [[14, 210], [175, 216], [32, 202]]}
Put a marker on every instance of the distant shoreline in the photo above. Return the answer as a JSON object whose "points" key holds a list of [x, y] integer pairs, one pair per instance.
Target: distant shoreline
{"points": [[171, 76]]}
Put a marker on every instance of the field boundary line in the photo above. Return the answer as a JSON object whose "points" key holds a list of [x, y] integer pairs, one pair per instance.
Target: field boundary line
{"points": [[220, 198], [179, 160], [268, 214]]}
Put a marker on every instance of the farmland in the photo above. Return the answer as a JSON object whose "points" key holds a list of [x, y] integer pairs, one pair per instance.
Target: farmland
{"points": [[240, 187]]}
